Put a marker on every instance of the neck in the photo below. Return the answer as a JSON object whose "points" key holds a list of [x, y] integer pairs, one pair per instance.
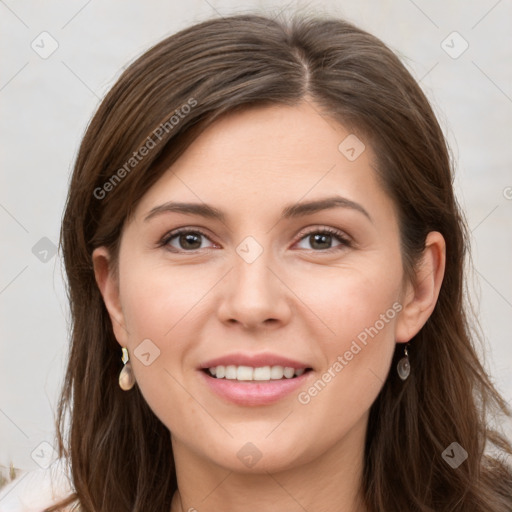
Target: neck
{"points": [[331, 482]]}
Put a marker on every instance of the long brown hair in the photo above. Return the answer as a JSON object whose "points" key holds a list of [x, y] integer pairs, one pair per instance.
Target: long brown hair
{"points": [[120, 452]]}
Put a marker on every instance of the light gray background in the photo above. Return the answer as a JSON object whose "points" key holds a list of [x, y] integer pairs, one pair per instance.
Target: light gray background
{"points": [[47, 103]]}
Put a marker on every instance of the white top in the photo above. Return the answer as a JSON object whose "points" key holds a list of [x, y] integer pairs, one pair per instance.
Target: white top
{"points": [[33, 491]]}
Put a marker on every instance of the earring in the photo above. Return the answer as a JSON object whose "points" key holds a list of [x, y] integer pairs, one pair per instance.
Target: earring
{"points": [[403, 367], [126, 377]]}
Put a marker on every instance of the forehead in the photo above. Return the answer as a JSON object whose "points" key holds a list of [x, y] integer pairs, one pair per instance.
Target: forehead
{"points": [[270, 155], [294, 134]]}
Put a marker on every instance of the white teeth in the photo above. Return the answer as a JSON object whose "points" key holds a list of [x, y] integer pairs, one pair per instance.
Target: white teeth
{"points": [[232, 372], [262, 373], [244, 373], [289, 372], [276, 372]]}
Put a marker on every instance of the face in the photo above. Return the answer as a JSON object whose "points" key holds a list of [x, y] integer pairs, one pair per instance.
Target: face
{"points": [[267, 283]]}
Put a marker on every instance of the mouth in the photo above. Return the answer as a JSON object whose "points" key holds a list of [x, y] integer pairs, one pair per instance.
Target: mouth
{"points": [[250, 379], [256, 384], [255, 374]]}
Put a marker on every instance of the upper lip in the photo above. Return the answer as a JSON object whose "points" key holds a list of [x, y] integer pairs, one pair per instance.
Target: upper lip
{"points": [[254, 360]]}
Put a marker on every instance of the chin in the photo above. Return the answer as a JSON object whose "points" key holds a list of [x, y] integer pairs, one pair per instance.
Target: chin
{"points": [[260, 456]]}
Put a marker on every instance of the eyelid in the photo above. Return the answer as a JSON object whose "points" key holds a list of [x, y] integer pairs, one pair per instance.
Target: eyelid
{"points": [[324, 229], [185, 229]]}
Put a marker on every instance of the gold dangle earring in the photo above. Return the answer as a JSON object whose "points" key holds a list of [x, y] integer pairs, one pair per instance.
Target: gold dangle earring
{"points": [[126, 377]]}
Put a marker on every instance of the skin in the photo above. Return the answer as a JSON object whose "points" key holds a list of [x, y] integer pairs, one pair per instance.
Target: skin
{"points": [[300, 298]]}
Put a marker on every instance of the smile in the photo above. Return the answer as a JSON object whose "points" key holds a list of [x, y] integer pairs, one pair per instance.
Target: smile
{"points": [[249, 373]]}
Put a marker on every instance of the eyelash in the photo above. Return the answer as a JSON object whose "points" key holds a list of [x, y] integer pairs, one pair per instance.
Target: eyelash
{"points": [[342, 238]]}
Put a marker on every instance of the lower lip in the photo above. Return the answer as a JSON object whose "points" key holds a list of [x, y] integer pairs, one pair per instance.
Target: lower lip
{"points": [[254, 392]]}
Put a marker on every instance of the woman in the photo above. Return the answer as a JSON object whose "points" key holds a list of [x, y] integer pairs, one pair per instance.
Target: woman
{"points": [[262, 370]]}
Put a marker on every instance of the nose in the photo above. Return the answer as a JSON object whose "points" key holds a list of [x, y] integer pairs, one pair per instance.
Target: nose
{"points": [[255, 294]]}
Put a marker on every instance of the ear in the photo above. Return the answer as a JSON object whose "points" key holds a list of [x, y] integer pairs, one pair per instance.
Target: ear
{"points": [[421, 297], [107, 281]]}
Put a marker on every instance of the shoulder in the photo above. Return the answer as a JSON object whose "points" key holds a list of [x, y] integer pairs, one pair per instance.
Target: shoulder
{"points": [[34, 491]]}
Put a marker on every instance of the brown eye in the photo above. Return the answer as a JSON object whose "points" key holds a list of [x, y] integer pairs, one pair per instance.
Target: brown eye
{"points": [[322, 240], [189, 240], [186, 240]]}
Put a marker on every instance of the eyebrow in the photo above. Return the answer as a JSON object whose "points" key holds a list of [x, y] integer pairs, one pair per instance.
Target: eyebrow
{"points": [[290, 211]]}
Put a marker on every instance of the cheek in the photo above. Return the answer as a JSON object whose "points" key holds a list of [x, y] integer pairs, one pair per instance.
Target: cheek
{"points": [[162, 304], [157, 305], [358, 309], [349, 300], [157, 300]]}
